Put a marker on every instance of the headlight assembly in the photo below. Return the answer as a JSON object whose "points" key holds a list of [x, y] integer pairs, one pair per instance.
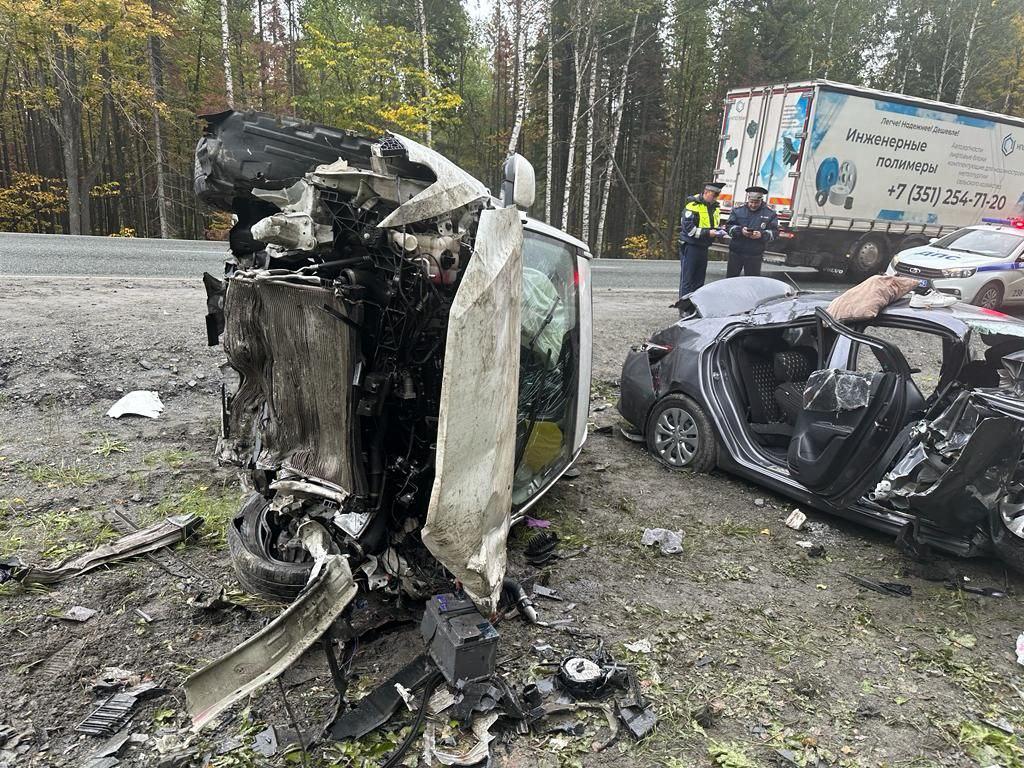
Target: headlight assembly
{"points": [[959, 272]]}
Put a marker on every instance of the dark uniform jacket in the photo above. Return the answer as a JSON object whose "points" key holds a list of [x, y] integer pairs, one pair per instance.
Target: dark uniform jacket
{"points": [[763, 218], [699, 218]]}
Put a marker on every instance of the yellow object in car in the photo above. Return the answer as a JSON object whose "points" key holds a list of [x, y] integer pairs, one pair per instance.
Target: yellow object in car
{"points": [[544, 445]]}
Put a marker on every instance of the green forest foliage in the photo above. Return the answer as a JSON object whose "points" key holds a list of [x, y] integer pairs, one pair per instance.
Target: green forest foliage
{"points": [[98, 97]]}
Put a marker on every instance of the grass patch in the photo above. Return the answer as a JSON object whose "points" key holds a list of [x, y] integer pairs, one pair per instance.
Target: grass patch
{"points": [[216, 507], [59, 477], [110, 445], [64, 533], [169, 457], [987, 746], [729, 755]]}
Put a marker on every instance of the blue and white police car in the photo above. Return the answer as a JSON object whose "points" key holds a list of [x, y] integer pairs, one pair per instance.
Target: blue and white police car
{"points": [[982, 264]]}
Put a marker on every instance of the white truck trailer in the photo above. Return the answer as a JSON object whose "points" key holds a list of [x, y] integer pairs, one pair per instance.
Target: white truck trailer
{"points": [[857, 175]]}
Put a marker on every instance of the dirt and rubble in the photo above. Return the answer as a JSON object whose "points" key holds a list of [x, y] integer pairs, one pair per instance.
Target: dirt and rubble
{"points": [[759, 650]]}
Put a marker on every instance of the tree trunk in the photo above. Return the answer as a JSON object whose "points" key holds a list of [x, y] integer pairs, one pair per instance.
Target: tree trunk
{"points": [[225, 50], [69, 129], [945, 57], [517, 126], [613, 144], [578, 60], [429, 136], [588, 156], [962, 88], [549, 181], [158, 142]]}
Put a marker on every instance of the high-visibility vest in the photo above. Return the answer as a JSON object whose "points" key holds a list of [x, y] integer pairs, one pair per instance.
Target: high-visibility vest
{"points": [[706, 221]]}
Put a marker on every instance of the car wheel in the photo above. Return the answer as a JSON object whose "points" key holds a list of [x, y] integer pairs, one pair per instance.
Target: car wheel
{"points": [[1008, 532], [680, 436], [258, 571], [990, 296], [869, 257]]}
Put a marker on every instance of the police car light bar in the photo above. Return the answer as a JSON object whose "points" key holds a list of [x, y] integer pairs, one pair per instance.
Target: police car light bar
{"points": [[1015, 223]]}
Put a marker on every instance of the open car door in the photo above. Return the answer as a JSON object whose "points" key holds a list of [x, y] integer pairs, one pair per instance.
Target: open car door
{"points": [[842, 442]]}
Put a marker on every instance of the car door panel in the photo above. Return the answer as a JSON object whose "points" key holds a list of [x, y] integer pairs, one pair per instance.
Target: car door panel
{"points": [[848, 421]]}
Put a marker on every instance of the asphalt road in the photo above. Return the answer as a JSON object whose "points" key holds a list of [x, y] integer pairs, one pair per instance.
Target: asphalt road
{"points": [[79, 256]]}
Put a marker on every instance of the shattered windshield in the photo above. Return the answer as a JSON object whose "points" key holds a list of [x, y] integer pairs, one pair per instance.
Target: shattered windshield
{"points": [[984, 242]]}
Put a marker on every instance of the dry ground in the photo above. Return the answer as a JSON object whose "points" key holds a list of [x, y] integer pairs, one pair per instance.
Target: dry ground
{"points": [[789, 653]]}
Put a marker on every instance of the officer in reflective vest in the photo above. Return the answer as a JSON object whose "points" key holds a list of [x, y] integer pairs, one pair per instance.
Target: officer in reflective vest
{"points": [[751, 228], [700, 227]]}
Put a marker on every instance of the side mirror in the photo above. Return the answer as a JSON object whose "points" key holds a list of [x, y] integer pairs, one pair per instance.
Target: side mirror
{"points": [[932, 240], [519, 185]]}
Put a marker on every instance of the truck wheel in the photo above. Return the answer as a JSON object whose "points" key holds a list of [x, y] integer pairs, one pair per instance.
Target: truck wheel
{"points": [[680, 436], [990, 296], [869, 257]]}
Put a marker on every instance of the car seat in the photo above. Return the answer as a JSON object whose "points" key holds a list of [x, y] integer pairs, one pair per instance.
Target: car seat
{"points": [[791, 369]]}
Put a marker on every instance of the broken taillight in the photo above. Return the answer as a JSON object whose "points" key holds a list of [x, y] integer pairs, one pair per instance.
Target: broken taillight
{"points": [[656, 351]]}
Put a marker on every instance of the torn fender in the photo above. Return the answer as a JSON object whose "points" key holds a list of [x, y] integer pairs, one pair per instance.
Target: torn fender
{"points": [[277, 646], [453, 189], [470, 502]]}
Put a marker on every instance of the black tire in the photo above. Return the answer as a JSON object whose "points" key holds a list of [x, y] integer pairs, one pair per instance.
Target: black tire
{"points": [[870, 256], [680, 436], [1009, 545], [990, 296], [257, 570]]}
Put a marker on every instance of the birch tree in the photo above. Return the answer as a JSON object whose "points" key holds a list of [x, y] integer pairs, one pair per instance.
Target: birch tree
{"points": [[225, 50], [588, 157], [549, 180], [429, 133], [613, 143]]}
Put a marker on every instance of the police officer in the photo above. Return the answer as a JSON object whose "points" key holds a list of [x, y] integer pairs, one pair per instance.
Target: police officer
{"points": [[700, 227], [751, 227]]}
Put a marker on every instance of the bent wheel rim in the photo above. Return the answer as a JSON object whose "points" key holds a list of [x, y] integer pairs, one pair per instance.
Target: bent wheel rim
{"points": [[1012, 514], [676, 439]]}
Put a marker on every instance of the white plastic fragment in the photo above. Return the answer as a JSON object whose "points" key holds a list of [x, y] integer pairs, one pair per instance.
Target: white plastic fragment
{"points": [[78, 613], [1020, 648], [640, 646], [671, 542], [796, 520], [141, 402], [805, 544]]}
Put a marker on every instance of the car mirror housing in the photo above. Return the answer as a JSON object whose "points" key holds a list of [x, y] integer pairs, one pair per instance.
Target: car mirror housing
{"points": [[519, 184]]}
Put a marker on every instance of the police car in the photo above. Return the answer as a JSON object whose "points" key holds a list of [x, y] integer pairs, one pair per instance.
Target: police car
{"points": [[982, 264]]}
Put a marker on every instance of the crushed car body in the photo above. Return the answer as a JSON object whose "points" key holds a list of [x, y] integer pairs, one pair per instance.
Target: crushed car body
{"points": [[766, 384], [413, 367]]}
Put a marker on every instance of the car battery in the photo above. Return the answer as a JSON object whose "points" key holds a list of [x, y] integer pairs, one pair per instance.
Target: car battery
{"points": [[462, 643]]}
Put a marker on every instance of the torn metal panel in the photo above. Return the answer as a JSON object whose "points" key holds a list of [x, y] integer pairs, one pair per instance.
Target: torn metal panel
{"points": [[833, 390], [273, 649], [454, 187], [303, 424], [742, 294], [163, 534], [469, 514]]}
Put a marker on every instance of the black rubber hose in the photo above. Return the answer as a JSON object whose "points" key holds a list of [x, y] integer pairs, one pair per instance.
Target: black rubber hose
{"points": [[517, 595], [428, 690]]}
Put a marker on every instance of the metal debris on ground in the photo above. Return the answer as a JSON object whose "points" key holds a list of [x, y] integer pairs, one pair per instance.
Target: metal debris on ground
{"points": [[539, 590], [983, 591], [141, 402], [671, 542], [78, 613], [165, 533], [882, 587], [112, 715], [632, 435], [796, 520], [265, 742]]}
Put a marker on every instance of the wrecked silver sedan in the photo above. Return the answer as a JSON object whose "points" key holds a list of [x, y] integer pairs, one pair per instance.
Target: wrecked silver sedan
{"points": [[912, 421], [412, 359]]}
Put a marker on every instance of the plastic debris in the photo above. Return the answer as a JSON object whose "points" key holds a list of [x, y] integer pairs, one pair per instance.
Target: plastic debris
{"points": [[640, 646], [882, 587], [78, 613], [141, 402], [796, 520], [539, 590], [1020, 648], [671, 542], [533, 522]]}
